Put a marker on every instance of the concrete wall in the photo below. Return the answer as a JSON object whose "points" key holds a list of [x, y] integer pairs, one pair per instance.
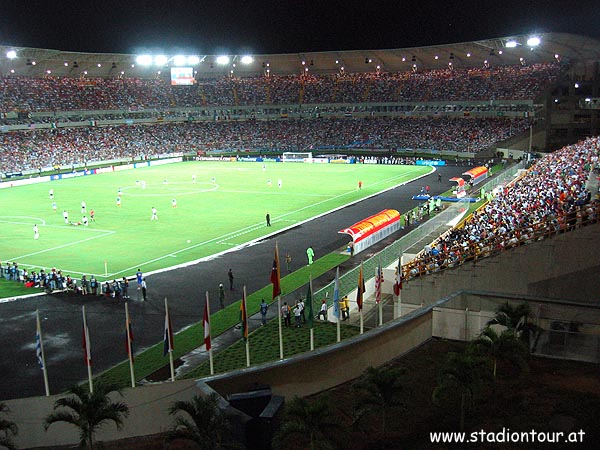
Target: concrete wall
{"points": [[148, 406], [325, 368], [565, 266]]}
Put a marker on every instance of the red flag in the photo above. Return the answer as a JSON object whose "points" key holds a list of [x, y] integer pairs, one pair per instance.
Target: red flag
{"points": [[398, 281], [378, 283], [275, 274], [361, 289], [244, 316], [129, 340], [206, 324], [168, 346]]}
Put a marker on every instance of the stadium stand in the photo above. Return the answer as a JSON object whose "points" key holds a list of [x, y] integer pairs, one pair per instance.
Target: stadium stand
{"points": [[550, 198]]}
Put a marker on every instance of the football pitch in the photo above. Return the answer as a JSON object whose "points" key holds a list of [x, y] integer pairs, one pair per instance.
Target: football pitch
{"points": [[203, 208]]}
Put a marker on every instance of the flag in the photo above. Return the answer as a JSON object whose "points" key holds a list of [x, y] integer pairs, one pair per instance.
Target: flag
{"points": [[360, 292], [378, 283], [168, 337], [38, 344], [398, 281], [87, 349], [244, 316], [336, 294], [206, 324], [129, 339], [309, 304], [276, 274]]}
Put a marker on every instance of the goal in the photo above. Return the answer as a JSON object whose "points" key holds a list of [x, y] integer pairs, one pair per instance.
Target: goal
{"points": [[303, 157]]}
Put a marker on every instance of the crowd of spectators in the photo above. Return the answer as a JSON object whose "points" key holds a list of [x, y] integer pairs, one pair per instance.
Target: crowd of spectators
{"points": [[34, 149], [68, 94], [550, 198]]}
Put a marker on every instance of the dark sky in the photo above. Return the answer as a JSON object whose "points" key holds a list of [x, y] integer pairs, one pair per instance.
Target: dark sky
{"points": [[284, 26]]}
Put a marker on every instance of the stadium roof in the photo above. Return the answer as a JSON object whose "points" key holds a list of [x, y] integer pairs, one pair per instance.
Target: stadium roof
{"points": [[566, 47]]}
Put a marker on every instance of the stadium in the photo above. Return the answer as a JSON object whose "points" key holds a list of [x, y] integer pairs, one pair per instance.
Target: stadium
{"points": [[181, 158]]}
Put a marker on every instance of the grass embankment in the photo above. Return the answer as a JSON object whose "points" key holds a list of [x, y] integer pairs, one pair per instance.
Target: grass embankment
{"points": [[152, 359]]}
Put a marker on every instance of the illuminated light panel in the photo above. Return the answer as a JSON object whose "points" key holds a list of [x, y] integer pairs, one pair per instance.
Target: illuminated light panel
{"points": [[11, 54], [193, 60], [160, 60], [144, 60], [222, 60], [179, 60], [511, 44], [533, 41], [247, 59]]}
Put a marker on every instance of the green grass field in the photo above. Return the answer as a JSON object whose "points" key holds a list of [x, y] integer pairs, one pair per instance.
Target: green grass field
{"points": [[210, 217]]}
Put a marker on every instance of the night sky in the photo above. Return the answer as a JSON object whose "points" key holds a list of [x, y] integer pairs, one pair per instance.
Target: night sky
{"points": [[285, 26]]}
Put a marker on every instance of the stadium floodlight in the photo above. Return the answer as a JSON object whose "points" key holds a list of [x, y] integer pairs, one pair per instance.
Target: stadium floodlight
{"points": [[533, 41], [144, 60], [179, 60], [11, 54], [511, 44], [160, 60], [247, 59], [222, 60], [193, 60]]}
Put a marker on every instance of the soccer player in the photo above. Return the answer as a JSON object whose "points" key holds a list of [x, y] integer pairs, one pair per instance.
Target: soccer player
{"points": [[51, 194], [66, 217], [359, 185], [84, 220], [194, 178], [54, 206], [83, 207], [174, 203], [92, 212], [269, 182], [154, 214], [139, 277], [36, 232], [279, 183], [118, 201]]}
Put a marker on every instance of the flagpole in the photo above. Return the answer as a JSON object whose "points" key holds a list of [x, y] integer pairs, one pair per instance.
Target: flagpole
{"points": [[43, 356], [312, 331], [246, 325], [379, 303], [280, 328], [360, 295], [129, 347], [169, 340], [210, 355], [336, 302], [400, 287], [88, 350], [276, 280]]}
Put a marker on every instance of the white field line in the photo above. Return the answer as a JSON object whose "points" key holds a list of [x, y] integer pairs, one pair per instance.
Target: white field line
{"points": [[105, 233], [42, 221]]}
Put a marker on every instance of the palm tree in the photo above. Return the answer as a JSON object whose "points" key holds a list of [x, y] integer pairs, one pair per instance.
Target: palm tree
{"points": [[515, 318], [462, 375], [378, 390], [88, 411], [504, 346], [307, 424], [7, 428], [207, 426]]}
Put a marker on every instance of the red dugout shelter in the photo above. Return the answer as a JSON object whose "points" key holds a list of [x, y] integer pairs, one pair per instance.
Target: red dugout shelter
{"points": [[373, 229]]}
